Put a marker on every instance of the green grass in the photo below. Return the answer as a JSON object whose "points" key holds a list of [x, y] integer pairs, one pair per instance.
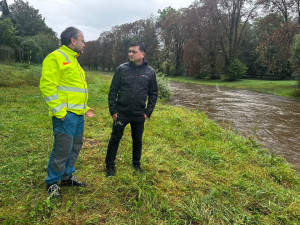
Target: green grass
{"points": [[196, 172], [288, 88]]}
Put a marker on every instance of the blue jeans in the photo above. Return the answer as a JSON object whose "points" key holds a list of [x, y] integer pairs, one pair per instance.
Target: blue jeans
{"points": [[68, 140]]}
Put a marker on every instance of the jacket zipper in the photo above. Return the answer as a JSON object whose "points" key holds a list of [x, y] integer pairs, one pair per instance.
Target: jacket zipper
{"points": [[81, 76], [136, 75]]}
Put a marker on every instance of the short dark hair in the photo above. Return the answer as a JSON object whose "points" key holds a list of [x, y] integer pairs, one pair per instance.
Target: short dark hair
{"points": [[67, 34], [138, 43]]}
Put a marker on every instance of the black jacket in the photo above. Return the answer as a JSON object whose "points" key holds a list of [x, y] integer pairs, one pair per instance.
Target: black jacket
{"points": [[130, 88]]}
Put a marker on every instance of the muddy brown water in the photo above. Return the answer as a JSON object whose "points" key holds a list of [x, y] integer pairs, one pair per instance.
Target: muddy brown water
{"points": [[273, 121]]}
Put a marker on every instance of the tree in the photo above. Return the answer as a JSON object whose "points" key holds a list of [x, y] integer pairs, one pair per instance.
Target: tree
{"points": [[230, 19], [297, 10], [148, 35], [90, 55], [8, 39], [4, 9], [7, 32], [26, 32], [275, 51], [235, 70], [265, 28], [27, 19], [295, 58], [201, 49], [170, 24], [277, 31], [31, 51], [47, 42], [106, 40], [281, 7], [249, 55], [114, 44]]}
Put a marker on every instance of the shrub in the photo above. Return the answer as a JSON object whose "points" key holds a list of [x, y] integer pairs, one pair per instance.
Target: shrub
{"points": [[235, 70], [164, 91]]}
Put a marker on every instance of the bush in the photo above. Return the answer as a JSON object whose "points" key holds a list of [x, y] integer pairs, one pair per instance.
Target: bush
{"points": [[164, 91], [235, 70]]}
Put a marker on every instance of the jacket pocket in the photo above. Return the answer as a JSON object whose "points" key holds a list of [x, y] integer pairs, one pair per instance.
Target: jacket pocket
{"points": [[124, 99], [140, 102]]}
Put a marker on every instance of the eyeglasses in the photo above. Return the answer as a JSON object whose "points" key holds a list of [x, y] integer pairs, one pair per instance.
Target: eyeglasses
{"points": [[132, 51]]}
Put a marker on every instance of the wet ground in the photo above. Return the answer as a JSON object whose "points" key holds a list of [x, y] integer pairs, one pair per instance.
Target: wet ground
{"points": [[274, 121]]}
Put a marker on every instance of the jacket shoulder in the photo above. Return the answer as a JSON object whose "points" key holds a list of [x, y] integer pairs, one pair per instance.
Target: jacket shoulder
{"points": [[151, 69], [53, 55], [123, 65]]}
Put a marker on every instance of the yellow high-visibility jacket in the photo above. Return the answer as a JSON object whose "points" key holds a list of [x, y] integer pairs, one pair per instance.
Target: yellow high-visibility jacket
{"points": [[63, 83]]}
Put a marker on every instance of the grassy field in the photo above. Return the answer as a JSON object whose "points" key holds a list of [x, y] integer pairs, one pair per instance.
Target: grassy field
{"points": [[287, 88], [196, 172]]}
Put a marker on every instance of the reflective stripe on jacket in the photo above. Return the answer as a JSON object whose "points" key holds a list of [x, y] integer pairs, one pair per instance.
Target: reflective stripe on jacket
{"points": [[63, 84]]}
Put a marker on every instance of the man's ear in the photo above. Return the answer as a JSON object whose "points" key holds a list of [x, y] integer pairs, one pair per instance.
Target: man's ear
{"points": [[73, 40]]}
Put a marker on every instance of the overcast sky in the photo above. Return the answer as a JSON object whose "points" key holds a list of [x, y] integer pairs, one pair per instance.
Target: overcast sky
{"points": [[96, 16]]}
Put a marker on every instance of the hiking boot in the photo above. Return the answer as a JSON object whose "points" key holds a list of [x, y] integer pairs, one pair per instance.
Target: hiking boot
{"points": [[138, 168], [72, 182], [54, 191], [110, 171]]}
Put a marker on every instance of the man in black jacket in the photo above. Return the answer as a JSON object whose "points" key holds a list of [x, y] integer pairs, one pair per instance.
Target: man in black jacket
{"points": [[133, 84]]}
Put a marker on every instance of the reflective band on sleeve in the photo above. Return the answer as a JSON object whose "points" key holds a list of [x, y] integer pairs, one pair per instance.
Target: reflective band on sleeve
{"points": [[51, 98], [72, 89], [59, 107], [64, 54]]}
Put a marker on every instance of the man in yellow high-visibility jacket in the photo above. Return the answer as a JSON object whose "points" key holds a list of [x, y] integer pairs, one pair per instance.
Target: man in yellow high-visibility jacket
{"points": [[64, 88]]}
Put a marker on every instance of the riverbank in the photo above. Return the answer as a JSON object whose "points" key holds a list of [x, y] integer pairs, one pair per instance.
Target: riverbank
{"points": [[196, 172], [273, 121], [282, 88]]}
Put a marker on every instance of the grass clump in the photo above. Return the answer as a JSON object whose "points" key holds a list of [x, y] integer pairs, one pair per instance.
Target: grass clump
{"points": [[19, 74], [196, 172]]}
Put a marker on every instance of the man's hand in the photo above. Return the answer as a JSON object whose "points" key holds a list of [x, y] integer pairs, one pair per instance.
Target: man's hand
{"points": [[62, 119], [146, 117], [115, 116], [90, 113]]}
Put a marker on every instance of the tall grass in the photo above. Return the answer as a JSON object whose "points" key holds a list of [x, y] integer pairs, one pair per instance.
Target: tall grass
{"points": [[195, 171]]}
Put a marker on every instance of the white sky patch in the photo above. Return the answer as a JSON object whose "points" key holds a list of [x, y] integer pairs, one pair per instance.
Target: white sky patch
{"points": [[96, 16]]}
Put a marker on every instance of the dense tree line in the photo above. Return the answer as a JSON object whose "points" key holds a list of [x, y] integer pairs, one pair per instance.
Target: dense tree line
{"points": [[207, 39], [24, 35]]}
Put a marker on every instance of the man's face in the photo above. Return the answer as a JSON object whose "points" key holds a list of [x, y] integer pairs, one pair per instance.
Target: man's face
{"points": [[135, 55], [78, 44]]}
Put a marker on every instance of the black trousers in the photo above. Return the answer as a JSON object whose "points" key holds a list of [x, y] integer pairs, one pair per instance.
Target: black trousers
{"points": [[137, 129]]}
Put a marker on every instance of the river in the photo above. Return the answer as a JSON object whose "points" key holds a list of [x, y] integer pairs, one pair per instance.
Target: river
{"points": [[273, 121]]}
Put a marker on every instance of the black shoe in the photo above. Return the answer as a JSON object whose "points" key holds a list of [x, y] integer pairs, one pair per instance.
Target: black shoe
{"points": [[138, 168], [72, 182], [54, 191], [110, 171]]}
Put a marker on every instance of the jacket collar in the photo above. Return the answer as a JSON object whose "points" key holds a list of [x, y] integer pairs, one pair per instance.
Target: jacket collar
{"points": [[145, 63], [68, 51]]}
